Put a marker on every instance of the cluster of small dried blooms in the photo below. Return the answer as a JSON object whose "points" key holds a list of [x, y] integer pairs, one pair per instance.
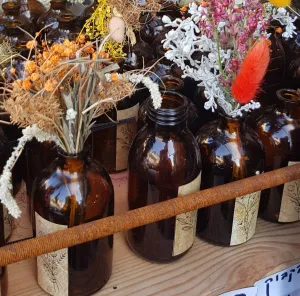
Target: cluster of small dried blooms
{"points": [[34, 96]]}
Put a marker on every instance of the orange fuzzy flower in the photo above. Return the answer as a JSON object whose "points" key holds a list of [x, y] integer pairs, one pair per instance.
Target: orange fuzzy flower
{"points": [[34, 76], [114, 77], [81, 38], [30, 66], [246, 86], [31, 44], [26, 84], [90, 49], [50, 84], [12, 70]]}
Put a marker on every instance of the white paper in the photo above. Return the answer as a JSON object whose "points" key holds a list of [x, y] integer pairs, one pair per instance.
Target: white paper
{"points": [[242, 292], [283, 283]]}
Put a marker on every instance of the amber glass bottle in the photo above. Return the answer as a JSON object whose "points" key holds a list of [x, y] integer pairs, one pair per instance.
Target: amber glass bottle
{"points": [[279, 132], [32, 9], [163, 68], [52, 15], [164, 162], [67, 28], [72, 191], [38, 157], [12, 11], [113, 134], [137, 55], [169, 83], [15, 36], [230, 151]]}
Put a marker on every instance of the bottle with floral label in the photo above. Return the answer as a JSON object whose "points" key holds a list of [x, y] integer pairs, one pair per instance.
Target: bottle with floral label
{"points": [[279, 131], [164, 162]]}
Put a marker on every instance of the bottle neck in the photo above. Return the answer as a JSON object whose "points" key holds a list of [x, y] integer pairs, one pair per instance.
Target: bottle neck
{"points": [[72, 163], [67, 21], [290, 100], [58, 5], [171, 83], [11, 27], [231, 126], [11, 8], [172, 114]]}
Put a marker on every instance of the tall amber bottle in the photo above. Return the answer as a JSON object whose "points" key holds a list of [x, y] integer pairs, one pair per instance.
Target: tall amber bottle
{"points": [[230, 151], [113, 134], [74, 190], [279, 132], [164, 162]]}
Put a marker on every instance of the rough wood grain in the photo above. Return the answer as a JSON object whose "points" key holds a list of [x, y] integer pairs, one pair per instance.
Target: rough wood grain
{"points": [[205, 271]]}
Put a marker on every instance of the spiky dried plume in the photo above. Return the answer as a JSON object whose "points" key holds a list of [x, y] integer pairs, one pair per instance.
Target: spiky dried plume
{"points": [[248, 81]]}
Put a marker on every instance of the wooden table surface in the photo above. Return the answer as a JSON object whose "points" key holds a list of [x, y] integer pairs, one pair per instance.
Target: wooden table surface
{"points": [[205, 271]]}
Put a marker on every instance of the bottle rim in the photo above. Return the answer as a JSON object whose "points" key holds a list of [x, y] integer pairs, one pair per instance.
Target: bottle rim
{"points": [[7, 6], [287, 95], [177, 82], [169, 116]]}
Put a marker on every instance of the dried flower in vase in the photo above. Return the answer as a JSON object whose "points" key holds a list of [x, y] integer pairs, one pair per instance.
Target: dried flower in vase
{"points": [[62, 90], [227, 34]]}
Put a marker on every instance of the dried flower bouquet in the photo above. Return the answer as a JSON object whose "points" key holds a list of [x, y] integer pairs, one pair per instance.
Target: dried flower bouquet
{"points": [[57, 96], [231, 36]]}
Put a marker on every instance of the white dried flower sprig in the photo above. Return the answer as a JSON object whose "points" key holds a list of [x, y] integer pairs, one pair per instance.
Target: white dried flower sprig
{"points": [[6, 187], [284, 18], [182, 42], [140, 78]]}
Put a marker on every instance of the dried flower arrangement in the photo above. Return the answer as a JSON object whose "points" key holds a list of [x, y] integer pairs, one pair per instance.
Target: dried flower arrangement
{"points": [[231, 36], [62, 89], [119, 18]]}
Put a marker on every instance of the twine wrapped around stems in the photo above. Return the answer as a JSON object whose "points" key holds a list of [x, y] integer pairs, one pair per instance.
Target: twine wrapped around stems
{"points": [[90, 231]]}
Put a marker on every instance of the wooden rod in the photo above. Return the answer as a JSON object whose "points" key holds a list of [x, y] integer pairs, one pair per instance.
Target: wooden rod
{"points": [[90, 231]]}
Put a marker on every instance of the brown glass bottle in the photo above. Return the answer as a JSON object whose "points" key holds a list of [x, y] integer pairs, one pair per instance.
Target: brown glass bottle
{"points": [[32, 9], [52, 15], [230, 151], [67, 28], [74, 190], [87, 13], [12, 11], [164, 67], [137, 55], [38, 157], [113, 134], [17, 37], [169, 83], [279, 132], [4, 155], [164, 160]]}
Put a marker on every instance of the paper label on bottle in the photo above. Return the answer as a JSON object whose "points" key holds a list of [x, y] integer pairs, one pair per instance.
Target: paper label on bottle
{"points": [[125, 135], [290, 203], [8, 223], [185, 227], [52, 268], [244, 218]]}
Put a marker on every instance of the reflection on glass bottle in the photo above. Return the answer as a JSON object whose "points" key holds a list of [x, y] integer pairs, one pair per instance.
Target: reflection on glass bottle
{"points": [[67, 29], [73, 190], [113, 134], [87, 13], [279, 131], [57, 7], [230, 151], [164, 162]]}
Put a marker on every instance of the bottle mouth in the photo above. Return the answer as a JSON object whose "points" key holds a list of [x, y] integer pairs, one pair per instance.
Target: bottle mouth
{"points": [[67, 18], [10, 6], [288, 95], [171, 83], [12, 25], [173, 109]]}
